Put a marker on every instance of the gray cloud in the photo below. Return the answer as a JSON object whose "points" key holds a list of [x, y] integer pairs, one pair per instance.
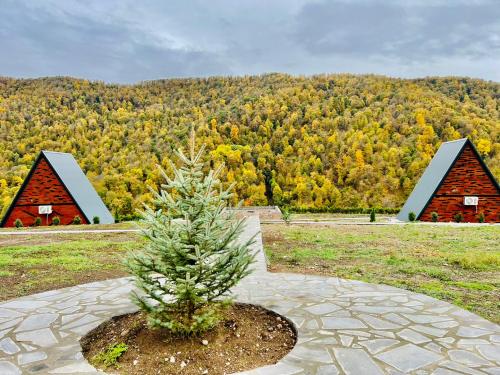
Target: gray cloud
{"points": [[414, 32], [129, 41]]}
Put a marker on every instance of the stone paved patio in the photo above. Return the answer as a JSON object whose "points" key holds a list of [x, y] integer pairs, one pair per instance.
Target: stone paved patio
{"points": [[344, 327]]}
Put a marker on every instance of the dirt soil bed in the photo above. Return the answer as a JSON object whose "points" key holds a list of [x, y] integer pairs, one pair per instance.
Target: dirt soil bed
{"points": [[248, 337]]}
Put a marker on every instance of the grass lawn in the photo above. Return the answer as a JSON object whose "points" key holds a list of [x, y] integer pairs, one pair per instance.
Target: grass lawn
{"points": [[460, 265], [297, 218], [339, 217], [36, 263], [122, 225]]}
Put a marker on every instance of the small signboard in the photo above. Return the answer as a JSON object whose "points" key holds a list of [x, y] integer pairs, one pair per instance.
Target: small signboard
{"points": [[471, 201], [44, 210]]}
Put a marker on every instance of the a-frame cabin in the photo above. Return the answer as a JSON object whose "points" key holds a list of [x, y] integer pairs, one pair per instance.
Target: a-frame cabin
{"points": [[56, 187], [456, 182]]}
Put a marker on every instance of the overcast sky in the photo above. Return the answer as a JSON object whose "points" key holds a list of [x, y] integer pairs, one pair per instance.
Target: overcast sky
{"points": [[132, 40]]}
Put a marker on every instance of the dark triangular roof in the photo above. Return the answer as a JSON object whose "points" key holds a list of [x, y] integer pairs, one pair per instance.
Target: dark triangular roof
{"points": [[76, 183], [434, 175]]}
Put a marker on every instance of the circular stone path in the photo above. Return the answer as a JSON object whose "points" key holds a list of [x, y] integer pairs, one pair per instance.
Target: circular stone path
{"points": [[344, 326]]}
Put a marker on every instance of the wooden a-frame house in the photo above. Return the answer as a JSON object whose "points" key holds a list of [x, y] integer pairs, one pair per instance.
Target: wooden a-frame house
{"points": [[456, 182], [56, 186]]}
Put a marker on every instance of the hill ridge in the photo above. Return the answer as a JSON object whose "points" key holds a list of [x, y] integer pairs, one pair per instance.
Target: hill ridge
{"points": [[329, 140]]}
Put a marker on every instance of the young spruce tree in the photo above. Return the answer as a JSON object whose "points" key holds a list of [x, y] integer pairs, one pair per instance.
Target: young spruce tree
{"points": [[193, 256]]}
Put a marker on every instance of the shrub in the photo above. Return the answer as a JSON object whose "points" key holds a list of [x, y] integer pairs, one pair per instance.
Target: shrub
{"points": [[411, 216], [434, 217], [56, 220], [286, 215], [77, 220], [481, 218], [38, 222], [458, 217], [372, 215], [18, 223], [96, 220], [188, 266]]}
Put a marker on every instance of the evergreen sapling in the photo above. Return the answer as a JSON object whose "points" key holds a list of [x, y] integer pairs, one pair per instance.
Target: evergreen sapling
{"points": [[192, 257]]}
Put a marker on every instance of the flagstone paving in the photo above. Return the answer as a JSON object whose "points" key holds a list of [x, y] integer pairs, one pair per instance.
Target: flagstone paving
{"points": [[344, 326]]}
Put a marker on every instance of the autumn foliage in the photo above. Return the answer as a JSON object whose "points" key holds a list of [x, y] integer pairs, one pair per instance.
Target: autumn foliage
{"points": [[322, 141]]}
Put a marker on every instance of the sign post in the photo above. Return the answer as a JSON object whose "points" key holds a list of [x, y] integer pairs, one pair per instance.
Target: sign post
{"points": [[47, 210]]}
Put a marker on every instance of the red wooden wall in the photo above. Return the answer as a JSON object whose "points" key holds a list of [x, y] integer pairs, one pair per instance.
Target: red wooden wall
{"points": [[466, 178], [44, 188]]}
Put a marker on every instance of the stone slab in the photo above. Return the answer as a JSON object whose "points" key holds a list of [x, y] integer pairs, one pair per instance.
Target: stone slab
{"points": [[356, 362], [408, 357]]}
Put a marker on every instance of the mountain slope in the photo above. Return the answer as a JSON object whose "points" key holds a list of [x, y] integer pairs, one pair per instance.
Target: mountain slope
{"points": [[328, 140]]}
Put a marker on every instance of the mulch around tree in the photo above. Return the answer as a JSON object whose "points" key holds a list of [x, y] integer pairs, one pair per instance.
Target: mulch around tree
{"points": [[248, 337]]}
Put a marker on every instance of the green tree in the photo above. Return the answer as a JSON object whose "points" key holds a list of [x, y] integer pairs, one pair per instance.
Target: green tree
{"points": [[189, 264], [285, 214]]}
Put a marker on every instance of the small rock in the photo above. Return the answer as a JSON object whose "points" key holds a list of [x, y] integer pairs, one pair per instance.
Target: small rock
{"points": [[280, 326], [183, 364], [205, 342], [124, 333], [135, 362], [172, 359], [205, 372]]}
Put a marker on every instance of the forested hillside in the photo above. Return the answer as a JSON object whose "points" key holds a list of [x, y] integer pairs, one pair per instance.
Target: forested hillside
{"points": [[322, 141]]}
